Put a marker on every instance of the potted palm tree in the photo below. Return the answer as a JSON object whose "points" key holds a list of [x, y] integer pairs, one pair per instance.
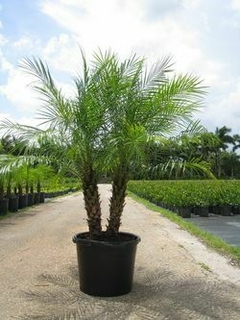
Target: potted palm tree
{"points": [[4, 172], [27, 177], [117, 108], [19, 177], [3, 201], [42, 173], [12, 197]]}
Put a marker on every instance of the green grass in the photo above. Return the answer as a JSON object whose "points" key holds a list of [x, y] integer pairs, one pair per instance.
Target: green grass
{"points": [[207, 238], [205, 267], [7, 215]]}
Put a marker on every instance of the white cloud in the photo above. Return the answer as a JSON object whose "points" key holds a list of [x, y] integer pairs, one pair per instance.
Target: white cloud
{"points": [[62, 52], [24, 42], [224, 110], [4, 64], [234, 97], [124, 27], [194, 4], [15, 88], [121, 25], [233, 20], [112, 24], [18, 92], [231, 107], [29, 121], [3, 40], [147, 27], [235, 4], [4, 116]]}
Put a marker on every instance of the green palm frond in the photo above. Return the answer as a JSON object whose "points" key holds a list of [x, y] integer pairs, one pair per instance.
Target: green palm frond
{"points": [[179, 168], [157, 75], [55, 106], [119, 107]]}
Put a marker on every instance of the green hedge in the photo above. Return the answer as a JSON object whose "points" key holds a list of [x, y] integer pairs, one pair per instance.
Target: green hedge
{"points": [[181, 193]]}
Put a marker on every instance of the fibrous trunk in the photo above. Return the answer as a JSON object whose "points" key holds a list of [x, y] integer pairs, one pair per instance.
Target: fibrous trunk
{"points": [[92, 202], [117, 202]]}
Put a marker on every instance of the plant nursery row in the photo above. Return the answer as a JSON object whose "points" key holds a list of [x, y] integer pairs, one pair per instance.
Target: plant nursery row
{"points": [[187, 197], [17, 202]]}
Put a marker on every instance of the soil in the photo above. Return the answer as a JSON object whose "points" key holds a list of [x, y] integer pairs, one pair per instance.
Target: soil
{"points": [[176, 276], [104, 237]]}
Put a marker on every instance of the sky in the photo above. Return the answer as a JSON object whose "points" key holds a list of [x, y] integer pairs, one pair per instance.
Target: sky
{"points": [[202, 36]]}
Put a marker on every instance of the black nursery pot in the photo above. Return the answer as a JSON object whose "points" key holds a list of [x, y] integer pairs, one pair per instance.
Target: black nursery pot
{"points": [[4, 206], [42, 197], [36, 198], [13, 204], [22, 201], [106, 267], [30, 199]]}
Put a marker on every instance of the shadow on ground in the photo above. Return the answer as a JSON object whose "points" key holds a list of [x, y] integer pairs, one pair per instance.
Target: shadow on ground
{"points": [[156, 295]]}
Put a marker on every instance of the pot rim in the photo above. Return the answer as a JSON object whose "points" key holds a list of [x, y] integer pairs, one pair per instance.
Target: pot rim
{"points": [[86, 241]]}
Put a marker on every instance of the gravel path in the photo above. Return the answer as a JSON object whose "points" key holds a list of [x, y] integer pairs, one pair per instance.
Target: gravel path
{"points": [[176, 277]]}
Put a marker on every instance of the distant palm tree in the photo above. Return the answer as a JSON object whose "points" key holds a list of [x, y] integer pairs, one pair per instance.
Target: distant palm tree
{"points": [[223, 134], [236, 139], [224, 137]]}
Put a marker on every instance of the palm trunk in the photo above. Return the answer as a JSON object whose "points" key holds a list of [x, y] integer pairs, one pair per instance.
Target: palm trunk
{"points": [[218, 164], [232, 171], [20, 189], [92, 202], [1, 191], [117, 201], [27, 187]]}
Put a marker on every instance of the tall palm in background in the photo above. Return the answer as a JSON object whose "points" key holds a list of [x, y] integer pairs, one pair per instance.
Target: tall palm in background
{"points": [[118, 107], [236, 139], [223, 134]]}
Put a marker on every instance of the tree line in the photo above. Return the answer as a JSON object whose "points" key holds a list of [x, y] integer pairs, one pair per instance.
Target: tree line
{"points": [[218, 149], [171, 158]]}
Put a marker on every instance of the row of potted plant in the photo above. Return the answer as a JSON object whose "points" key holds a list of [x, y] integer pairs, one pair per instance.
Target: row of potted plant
{"points": [[15, 201], [23, 185], [191, 196]]}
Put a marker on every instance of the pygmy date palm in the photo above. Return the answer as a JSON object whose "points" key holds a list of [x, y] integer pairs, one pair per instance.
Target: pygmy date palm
{"points": [[117, 108]]}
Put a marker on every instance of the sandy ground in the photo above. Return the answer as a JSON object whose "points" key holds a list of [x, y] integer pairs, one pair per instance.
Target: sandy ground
{"points": [[176, 276]]}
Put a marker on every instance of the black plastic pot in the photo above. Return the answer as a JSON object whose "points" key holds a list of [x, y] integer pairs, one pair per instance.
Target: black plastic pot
{"points": [[47, 195], [22, 201], [13, 204], [4, 206], [36, 198], [201, 211], [106, 267], [42, 197], [185, 212], [236, 209], [215, 209], [30, 199], [225, 210]]}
